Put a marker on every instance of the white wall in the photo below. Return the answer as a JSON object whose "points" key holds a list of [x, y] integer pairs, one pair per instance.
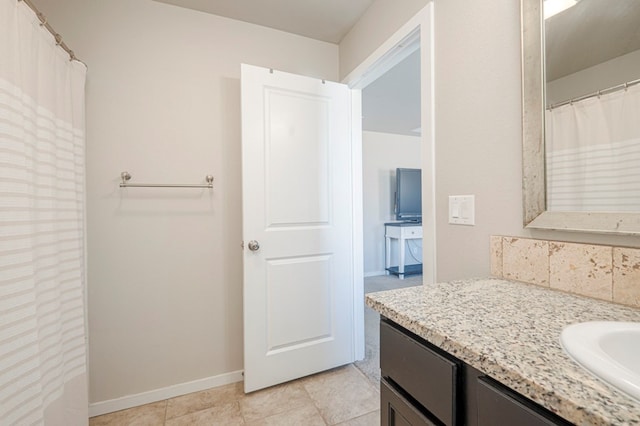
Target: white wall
{"points": [[163, 102], [380, 21], [599, 77], [382, 153]]}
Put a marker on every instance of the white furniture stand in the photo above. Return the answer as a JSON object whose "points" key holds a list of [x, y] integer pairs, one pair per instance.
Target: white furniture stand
{"points": [[401, 231]]}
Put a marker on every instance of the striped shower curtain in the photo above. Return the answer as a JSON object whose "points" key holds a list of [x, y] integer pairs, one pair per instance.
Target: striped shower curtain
{"points": [[42, 241], [593, 153]]}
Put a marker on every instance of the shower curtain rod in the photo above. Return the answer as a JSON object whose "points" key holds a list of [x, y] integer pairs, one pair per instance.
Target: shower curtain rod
{"points": [[56, 36], [598, 93]]}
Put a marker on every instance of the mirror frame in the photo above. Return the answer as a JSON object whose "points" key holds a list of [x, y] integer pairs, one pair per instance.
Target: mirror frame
{"points": [[534, 193]]}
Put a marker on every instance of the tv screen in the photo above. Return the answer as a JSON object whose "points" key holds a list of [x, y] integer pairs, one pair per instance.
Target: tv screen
{"points": [[409, 194]]}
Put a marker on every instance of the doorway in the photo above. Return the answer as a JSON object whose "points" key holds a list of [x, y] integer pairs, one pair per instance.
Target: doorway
{"points": [[409, 49]]}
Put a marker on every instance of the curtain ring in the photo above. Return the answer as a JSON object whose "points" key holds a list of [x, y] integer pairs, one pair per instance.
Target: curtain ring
{"points": [[72, 56], [42, 18], [58, 38]]}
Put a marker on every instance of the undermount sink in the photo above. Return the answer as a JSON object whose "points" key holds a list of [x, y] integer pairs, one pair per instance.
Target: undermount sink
{"points": [[609, 350]]}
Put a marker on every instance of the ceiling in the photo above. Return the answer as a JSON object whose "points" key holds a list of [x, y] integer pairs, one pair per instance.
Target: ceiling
{"points": [[589, 33], [326, 20], [391, 104]]}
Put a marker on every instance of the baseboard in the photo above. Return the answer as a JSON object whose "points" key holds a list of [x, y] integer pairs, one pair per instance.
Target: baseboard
{"points": [[117, 404], [373, 274]]}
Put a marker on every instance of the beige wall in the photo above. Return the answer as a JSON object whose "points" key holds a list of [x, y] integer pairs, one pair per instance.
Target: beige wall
{"points": [[163, 102], [478, 133], [599, 77], [380, 21], [382, 153], [478, 130]]}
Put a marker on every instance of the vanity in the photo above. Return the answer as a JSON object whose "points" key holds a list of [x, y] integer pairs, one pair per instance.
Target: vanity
{"points": [[487, 352]]}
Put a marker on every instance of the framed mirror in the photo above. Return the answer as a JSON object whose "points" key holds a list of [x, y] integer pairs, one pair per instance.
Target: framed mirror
{"points": [[536, 214]]}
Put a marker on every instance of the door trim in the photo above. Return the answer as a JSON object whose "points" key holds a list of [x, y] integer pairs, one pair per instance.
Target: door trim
{"points": [[417, 33], [357, 228]]}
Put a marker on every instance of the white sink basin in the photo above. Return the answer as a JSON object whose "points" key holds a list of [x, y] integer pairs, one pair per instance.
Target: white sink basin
{"points": [[609, 350]]}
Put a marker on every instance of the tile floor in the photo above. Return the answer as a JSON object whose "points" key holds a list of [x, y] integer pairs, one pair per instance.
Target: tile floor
{"points": [[342, 396]]}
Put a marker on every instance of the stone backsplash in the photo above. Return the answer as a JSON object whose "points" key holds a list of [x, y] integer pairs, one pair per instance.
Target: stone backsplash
{"points": [[601, 272]]}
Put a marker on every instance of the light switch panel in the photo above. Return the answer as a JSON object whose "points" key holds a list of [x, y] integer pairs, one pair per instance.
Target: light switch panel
{"points": [[462, 210]]}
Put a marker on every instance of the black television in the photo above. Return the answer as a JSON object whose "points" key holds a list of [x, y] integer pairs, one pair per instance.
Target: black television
{"points": [[408, 205]]}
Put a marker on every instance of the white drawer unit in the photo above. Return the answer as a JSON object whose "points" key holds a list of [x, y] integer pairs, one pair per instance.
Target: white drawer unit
{"points": [[401, 231]]}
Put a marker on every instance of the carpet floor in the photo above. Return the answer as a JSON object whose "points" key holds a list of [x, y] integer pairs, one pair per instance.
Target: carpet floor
{"points": [[370, 365]]}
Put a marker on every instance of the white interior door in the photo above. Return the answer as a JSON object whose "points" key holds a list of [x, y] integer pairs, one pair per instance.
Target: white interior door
{"points": [[297, 206]]}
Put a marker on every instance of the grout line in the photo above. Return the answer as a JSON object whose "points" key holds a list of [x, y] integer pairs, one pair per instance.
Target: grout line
{"points": [[166, 404]]}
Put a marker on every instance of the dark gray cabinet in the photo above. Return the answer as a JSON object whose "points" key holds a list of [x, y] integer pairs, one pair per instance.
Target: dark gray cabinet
{"points": [[429, 376], [397, 410], [423, 385], [498, 405]]}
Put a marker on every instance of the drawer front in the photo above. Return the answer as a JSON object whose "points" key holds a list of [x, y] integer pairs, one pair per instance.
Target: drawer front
{"points": [[412, 231], [427, 376], [395, 410], [498, 405]]}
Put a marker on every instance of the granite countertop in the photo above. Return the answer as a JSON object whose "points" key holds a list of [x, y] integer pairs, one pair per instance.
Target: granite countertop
{"points": [[511, 332]]}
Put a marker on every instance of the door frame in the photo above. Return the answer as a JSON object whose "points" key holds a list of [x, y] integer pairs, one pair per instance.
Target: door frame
{"points": [[416, 34]]}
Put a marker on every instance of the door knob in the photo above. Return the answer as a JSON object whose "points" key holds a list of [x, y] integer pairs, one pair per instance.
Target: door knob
{"points": [[253, 245]]}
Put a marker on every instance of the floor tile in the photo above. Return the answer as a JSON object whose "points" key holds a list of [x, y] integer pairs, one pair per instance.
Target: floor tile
{"points": [[199, 401], [275, 400], [144, 415], [221, 415], [371, 419], [307, 415], [342, 394]]}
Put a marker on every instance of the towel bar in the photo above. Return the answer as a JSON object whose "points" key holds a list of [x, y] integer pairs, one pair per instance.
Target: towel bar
{"points": [[126, 176]]}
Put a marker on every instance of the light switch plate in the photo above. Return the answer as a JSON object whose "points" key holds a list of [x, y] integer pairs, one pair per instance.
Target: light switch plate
{"points": [[462, 210]]}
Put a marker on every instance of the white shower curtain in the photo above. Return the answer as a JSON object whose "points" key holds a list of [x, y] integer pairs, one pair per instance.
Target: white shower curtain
{"points": [[593, 153], [42, 267]]}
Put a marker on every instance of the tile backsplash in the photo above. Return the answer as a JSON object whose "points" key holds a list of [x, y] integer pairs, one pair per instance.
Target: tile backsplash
{"points": [[601, 272]]}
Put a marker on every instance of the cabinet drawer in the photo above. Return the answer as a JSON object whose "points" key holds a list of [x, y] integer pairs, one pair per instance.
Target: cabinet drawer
{"points": [[412, 232], [499, 405], [395, 410], [427, 376]]}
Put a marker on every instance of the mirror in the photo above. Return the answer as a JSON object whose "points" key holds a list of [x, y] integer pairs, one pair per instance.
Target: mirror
{"points": [[536, 213]]}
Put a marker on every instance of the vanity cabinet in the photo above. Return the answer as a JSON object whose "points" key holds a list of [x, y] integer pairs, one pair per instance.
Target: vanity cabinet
{"points": [[423, 385]]}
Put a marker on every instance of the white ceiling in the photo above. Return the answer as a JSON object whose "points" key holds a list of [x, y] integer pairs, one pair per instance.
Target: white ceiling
{"points": [[326, 20], [391, 104]]}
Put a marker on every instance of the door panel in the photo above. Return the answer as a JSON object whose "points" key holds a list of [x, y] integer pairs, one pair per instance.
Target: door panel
{"points": [[307, 321], [297, 203], [297, 158]]}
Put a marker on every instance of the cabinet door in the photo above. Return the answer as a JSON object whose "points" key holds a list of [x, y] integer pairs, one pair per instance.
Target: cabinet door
{"points": [[427, 376], [395, 410], [499, 406]]}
